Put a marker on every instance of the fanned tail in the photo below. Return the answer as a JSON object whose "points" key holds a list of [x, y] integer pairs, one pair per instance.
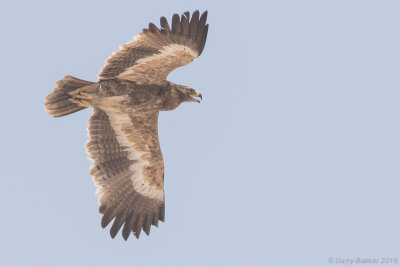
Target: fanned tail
{"points": [[58, 102]]}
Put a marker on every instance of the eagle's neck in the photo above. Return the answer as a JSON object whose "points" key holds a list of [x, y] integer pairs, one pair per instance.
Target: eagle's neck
{"points": [[171, 99]]}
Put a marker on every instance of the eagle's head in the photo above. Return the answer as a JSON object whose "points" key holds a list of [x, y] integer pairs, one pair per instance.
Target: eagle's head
{"points": [[177, 94], [185, 93]]}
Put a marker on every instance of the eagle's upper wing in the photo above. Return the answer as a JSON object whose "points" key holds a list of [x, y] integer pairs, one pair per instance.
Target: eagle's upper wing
{"points": [[154, 53], [128, 170]]}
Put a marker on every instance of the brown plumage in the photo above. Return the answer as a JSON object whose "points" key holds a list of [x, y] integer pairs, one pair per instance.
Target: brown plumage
{"points": [[128, 167]]}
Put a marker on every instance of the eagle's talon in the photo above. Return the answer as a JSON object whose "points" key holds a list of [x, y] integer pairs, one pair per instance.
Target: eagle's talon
{"points": [[84, 95], [80, 102]]}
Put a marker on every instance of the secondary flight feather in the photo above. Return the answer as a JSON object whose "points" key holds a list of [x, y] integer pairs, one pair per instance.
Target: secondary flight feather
{"points": [[128, 166]]}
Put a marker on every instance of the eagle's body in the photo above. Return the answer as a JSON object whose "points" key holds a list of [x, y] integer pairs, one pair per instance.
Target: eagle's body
{"points": [[128, 166]]}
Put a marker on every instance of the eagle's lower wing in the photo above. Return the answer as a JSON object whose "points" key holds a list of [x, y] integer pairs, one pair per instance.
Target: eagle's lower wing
{"points": [[128, 170], [154, 53]]}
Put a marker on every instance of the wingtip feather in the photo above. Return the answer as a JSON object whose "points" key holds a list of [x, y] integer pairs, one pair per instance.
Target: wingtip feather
{"points": [[194, 23], [126, 231], [153, 28], [164, 24], [106, 220], [147, 225], [184, 25], [203, 39], [176, 23]]}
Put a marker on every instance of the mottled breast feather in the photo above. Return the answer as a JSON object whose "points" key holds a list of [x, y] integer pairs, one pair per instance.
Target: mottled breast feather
{"points": [[154, 53]]}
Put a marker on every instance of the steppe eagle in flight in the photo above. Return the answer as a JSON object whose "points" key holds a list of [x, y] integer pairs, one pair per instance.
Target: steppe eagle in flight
{"points": [[128, 167]]}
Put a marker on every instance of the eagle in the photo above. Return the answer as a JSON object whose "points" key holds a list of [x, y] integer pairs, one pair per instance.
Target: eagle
{"points": [[132, 88]]}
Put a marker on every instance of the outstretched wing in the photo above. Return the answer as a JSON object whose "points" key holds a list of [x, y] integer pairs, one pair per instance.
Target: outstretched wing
{"points": [[128, 170], [154, 53]]}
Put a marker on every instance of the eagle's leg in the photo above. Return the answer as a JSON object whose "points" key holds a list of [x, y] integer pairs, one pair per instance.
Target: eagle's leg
{"points": [[80, 101], [85, 98]]}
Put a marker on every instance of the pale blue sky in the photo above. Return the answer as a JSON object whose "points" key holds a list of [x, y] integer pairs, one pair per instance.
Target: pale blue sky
{"points": [[291, 158]]}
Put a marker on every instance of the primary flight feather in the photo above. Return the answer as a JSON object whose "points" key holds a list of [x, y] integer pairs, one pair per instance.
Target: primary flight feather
{"points": [[128, 167]]}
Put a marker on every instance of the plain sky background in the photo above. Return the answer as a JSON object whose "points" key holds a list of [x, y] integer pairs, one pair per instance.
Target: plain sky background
{"points": [[291, 158]]}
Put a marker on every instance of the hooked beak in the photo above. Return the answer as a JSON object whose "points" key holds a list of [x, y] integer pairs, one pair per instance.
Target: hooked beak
{"points": [[197, 94]]}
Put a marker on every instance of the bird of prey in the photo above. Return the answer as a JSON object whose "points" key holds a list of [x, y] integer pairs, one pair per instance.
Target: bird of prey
{"points": [[128, 167]]}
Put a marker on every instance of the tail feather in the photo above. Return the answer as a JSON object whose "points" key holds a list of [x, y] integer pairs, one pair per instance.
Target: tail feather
{"points": [[58, 102]]}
